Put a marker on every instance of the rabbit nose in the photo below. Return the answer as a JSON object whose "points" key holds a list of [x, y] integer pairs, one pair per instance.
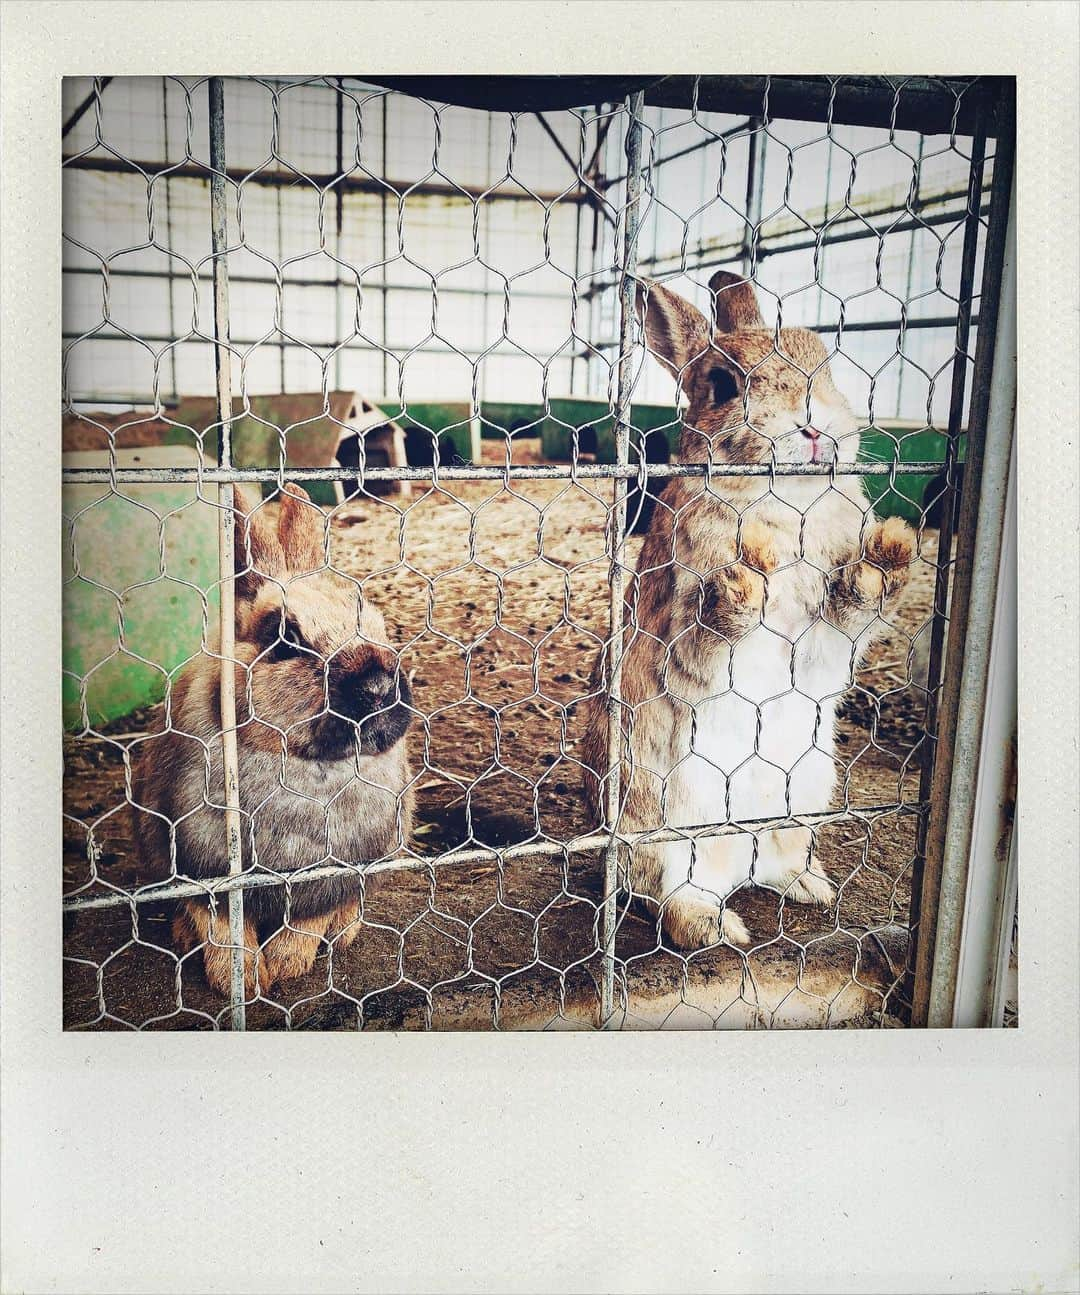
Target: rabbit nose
{"points": [[376, 683], [812, 433]]}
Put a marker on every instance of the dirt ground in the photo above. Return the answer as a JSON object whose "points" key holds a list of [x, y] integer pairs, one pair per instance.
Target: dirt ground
{"points": [[498, 597]]}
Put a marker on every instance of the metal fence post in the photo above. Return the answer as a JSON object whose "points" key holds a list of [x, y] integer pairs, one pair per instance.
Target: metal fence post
{"points": [[958, 757], [226, 541], [946, 532], [617, 584], [986, 937]]}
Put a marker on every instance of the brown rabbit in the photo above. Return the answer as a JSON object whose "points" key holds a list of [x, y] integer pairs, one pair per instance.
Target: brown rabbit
{"points": [[753, 601], [322, 709]]}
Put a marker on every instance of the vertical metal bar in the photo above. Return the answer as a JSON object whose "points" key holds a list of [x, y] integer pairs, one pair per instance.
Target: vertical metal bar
{"points": [[979, 146], [596, 312], [755, 189], [485, 307], [960, 803], [616, 581], [281, 282], [988, 912], [171, 278], [1003, 973], [384, 105], [939, 622], [577, 262], [339, 220], [982, 507], [219, 223]]}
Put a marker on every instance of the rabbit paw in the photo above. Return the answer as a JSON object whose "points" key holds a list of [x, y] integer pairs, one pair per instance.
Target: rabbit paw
{"points": [[735, 595], [887, 555], [811, 886], [194, 928], [697, 922]]}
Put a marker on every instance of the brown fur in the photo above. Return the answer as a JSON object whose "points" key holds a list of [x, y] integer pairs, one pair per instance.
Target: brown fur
{"points": [[194, 927], [723, 554], [324, 774]]}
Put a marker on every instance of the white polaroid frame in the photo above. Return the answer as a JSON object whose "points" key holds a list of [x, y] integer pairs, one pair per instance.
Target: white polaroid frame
{"points": [[916, 1161]]}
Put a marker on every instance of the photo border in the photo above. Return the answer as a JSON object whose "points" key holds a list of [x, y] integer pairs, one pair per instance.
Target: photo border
{"points": [[682, 1161]]}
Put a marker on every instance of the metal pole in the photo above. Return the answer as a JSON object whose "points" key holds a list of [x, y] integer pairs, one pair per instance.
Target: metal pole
{"points": [[171, 276], [755, 181], [515, 472], [948, 512], [988, 908], [156, 892], [957, 764], [339, 220], [627, 290], [226, 538], [385, 252]]}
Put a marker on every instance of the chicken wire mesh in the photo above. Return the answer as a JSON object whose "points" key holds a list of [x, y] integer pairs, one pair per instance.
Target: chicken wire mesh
{"points": [[548, 713]]}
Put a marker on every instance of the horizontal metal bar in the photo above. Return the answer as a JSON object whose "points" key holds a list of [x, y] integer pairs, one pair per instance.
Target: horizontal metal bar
{"points": [[885, 325], [368, 285], [930, 105], [284, 343], [493, 472], [773, 247], [773, 244], [664, 158], [393, 189], [221, 885], [865, 326]]}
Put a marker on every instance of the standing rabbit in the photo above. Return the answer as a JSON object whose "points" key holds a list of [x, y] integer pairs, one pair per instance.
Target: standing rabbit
{"points": [[322, 709], [753, 601]]}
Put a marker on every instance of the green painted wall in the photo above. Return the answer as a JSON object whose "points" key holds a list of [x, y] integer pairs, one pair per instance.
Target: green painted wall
{"points": [[567, 414], [113, 548]]}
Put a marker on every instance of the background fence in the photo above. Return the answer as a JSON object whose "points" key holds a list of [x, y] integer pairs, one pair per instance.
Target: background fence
{"points": [[258, 271]]}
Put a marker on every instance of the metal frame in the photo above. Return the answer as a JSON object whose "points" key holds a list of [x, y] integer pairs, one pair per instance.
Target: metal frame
{"points": [[955, 936], [938, 900]]}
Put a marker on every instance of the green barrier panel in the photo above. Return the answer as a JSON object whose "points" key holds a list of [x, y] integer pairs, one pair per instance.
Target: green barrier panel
{"points": [[595, 425], [112, 578], [256, 442], [889, 442], [498, 417], [886, 442], [458, 439]]}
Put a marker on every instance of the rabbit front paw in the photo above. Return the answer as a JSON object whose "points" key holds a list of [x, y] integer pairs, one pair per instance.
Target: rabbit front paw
{"points": [[734, 595], [887, 557], [880, 571], [194, 927]]}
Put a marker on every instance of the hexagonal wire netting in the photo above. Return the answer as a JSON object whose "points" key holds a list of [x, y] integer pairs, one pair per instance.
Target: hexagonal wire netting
{"points": [[572, 493]]}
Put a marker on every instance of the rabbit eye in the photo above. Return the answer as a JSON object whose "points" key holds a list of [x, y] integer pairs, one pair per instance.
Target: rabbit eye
{"points": [[288, 645], [724, 386]]}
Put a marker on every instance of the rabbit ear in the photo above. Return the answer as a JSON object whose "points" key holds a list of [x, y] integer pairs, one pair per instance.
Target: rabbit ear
{"points": [[675, 332], [736, 302], [257, 551], [302, 530]]}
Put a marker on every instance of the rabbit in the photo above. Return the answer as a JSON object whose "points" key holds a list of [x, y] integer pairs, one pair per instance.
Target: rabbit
{"points": [[753, 600], [322, 711]]}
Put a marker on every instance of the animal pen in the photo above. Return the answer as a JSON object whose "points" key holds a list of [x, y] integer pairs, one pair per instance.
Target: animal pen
{"points": [[426, 303]]}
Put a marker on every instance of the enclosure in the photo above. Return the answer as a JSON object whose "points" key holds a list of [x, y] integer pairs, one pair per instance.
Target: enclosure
{"points": [[419, 300]]}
